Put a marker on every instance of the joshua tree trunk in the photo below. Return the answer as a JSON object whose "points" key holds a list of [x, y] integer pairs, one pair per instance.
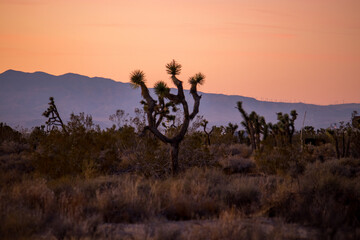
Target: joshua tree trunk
{"points": [[174, 152], [257, 141], [343, 143], [348, 144], [337, 147], [252, 139]]}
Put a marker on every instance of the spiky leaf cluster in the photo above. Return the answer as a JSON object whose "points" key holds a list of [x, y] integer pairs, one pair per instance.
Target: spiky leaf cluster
{"points": [[197, 79], [161, 89], [50, 109], [137, 78], [173, 68]]}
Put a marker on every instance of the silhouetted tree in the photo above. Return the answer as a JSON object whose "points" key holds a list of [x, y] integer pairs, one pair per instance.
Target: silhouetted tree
{"points": [[208, 134], [231, 128], [166, 104], [54, 119], [341, 137], [284, 129], [254, 125]]}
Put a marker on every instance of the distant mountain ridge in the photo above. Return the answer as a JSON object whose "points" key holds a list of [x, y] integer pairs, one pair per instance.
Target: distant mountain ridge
{"points": [[24, 97]]}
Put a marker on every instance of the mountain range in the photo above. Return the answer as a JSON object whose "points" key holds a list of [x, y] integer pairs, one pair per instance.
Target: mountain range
{"points": [[24, 97]]}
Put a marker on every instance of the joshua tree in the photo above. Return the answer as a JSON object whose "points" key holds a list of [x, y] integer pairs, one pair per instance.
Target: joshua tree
{"points": [[341, 136], [54, 119], [231, 128], [285, 127], [157, 111], [204, 123], [247, 125], [255, 125]]}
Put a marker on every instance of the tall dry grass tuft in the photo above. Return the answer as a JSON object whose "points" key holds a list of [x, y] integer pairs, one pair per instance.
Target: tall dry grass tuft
{"points": [[25, 208]]}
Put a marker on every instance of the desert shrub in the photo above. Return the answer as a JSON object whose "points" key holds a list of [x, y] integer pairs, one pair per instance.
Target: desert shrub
{"points": [[187, 197], [348, 167], [20, 223], [218, 151], [194, 153], [221, 151], [9, 134], [35, 137], [7, 147], [85, 150], [34, 194], [243, 194], [11, 141], [76, 206], [148, 157], [280, 160], [25, 207], [239, 149], [323, 152], [222, 135], [60, 155], [230, 227], [127, 200], [17, 163], [199, 194], [237, 164], [323, 199]]}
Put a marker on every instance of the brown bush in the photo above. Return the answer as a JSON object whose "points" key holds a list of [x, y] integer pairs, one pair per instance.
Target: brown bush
{"points": [[237, 164], [243, 150], [323, 198]]}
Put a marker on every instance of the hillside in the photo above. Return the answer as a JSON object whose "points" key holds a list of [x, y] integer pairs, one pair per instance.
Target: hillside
{"points": [[24, 96]]}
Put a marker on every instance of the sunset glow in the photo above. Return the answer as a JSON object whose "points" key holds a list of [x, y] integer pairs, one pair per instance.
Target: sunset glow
{"points": [[294, 51]]}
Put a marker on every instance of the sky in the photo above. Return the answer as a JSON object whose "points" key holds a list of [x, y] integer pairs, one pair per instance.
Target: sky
{"points": [[276, 50]]}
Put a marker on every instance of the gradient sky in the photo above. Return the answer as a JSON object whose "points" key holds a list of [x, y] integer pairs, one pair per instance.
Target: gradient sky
{"points": [[283, 50]]}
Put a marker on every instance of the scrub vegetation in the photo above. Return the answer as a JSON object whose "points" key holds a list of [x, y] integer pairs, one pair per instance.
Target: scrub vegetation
{"points": [[75, 180]]}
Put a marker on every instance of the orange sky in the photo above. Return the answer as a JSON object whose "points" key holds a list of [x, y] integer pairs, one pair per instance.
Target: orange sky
{"points": [[284, 50]]}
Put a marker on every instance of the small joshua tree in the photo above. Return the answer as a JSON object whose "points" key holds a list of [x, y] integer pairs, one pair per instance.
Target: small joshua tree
{"points": [[254, 125], [161, 109], [204, 124], [54, 119], [341, 135], [285, 127]]}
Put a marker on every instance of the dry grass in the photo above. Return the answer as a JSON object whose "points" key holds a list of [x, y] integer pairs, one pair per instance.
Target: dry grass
{"points": [[73, 205], [324, 197], [205, 203], [199, 203]]}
